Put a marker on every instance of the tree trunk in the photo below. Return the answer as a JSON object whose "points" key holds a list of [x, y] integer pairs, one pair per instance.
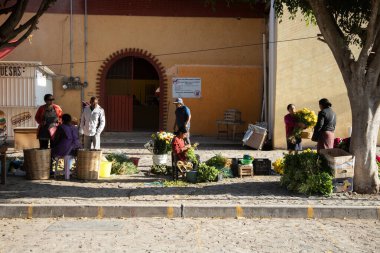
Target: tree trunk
{"points": [[365, 128]]}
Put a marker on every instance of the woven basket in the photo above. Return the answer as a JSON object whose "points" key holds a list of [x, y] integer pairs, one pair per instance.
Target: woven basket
{"points": [[306, 135], [37, 163], [88, 164]]}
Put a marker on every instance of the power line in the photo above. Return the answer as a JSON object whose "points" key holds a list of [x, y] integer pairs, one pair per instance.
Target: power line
{"points": [[195, 51]]}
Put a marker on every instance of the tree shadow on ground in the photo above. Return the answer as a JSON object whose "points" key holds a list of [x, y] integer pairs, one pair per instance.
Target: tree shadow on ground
{"points": [[20, 188]]}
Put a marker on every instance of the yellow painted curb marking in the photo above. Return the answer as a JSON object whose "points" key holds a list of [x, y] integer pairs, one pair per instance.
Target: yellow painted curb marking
{"points": [[310, 212], [170, 212], [378, 213], [239, 211], [30, 212], [100, 212]]}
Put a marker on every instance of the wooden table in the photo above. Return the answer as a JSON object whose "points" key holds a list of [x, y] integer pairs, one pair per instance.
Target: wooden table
{"points": [[3, 157], [227, 123]]}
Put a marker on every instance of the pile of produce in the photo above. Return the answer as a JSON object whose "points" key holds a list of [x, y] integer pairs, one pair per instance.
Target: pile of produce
{"points": [[207, 173], [217, 161], [222, 164], [121, 165], [161, 169], [308, 173]]}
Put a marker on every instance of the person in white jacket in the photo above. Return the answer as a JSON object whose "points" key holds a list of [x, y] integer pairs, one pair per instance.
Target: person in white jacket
{"points": [[92, 124]]}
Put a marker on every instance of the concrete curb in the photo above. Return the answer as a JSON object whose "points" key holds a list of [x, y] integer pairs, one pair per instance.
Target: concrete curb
{"points": [[188, 211]]}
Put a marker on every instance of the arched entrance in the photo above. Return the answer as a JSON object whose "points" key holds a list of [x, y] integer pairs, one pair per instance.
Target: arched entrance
{"points": [[128, 83]]}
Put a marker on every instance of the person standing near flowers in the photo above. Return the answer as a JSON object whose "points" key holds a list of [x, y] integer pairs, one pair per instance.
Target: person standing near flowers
{"points": [[325, 127], [48, 117], [293, 143], [92, 124], [182, 118]]}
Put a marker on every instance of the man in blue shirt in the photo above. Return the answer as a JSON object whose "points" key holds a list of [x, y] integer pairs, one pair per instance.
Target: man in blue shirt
{"points": [[182, 117]]}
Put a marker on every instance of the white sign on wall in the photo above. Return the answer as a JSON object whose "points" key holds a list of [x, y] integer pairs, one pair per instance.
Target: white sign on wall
{"points": [[187, 87], [16, 71]]}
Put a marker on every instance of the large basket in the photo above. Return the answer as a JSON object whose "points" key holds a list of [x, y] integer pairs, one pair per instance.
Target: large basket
{"points": [[37, 163], [88, 164]]}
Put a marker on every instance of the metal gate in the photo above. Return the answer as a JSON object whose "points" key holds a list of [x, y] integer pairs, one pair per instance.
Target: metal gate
{"points": [[119, 113]]}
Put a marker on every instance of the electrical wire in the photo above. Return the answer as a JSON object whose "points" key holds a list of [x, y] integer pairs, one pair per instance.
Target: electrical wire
{"points": [[194, 51]]}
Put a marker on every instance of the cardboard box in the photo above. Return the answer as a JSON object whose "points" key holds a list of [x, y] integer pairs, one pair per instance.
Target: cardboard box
{"points": [[343, 184], [341, 162], [256, 140], [26, 138]]}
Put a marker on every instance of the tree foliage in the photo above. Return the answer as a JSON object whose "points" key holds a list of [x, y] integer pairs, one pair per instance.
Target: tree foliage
{"points": [[12, 32]]}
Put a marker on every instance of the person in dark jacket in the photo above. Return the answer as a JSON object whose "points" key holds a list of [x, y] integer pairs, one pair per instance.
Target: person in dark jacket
{"points": [[66, 140], [325, 127]]}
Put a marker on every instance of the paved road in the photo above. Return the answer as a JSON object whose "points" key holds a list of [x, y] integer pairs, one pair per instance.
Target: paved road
{"points": [[189, 235]]}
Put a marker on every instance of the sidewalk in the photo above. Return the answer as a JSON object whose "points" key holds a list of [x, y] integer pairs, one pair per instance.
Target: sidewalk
{"points": [[142, 195]]}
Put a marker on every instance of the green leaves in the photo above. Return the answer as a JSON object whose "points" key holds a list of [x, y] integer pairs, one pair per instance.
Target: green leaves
{"points": [[207, 173], [121, 165], [307, 173]]}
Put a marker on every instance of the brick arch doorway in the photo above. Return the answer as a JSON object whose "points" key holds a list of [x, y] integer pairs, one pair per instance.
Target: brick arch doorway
{"points": [[128, 84]]}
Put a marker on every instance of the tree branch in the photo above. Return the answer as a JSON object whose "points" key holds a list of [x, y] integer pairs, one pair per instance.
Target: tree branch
{"points": [[31, 25], [7, 10], [22, 38], [334, 37], [373, 28], [13, 19]]}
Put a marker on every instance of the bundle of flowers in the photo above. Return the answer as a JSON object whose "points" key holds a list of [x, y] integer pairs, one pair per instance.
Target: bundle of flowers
{"points": [[160, 143], [342, 143], [278, 166], [307, 117]]}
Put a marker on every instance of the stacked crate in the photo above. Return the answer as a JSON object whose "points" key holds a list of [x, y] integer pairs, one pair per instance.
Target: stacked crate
{"points": [[245, 170], [232, 115], [262, 166], [342, 164]]}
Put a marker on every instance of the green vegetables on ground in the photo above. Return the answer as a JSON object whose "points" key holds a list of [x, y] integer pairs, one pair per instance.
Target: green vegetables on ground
{"points": [[121, 165], [207, 173], [177, 183], [161, 169], [308, 173], [222, 164], [217, 161]]}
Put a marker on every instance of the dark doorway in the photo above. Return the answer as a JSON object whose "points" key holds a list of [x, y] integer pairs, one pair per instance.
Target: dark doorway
{"points": [[132, 100]]}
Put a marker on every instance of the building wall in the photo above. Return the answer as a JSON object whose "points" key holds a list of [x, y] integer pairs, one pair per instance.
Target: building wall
{"points": [[223, 87], [307, 72], [158, 35]]}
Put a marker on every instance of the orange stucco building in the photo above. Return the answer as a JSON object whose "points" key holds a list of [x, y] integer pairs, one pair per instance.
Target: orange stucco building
{"points": [[128, 52]]}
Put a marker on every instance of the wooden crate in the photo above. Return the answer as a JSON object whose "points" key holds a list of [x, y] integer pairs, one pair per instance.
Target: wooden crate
{"points": [[232, 115], [341, 162], [245, 170]]}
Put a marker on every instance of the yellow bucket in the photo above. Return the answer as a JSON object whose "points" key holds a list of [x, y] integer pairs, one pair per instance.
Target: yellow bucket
{"points": [[105, 169]]}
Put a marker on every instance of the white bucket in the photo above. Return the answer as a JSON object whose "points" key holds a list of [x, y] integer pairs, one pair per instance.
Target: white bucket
{"points": [[160, 159]]}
